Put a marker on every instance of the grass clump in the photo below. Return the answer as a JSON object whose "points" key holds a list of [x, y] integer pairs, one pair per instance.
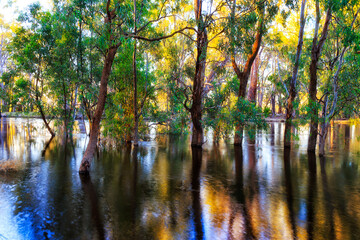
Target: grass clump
{"points": [[11, 166]]}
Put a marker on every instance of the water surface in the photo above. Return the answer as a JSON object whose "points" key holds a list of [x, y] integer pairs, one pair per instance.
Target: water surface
{"points": [[165, 190]]}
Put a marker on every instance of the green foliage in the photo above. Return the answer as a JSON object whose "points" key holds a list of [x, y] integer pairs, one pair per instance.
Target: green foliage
{"points": [[248, 116], [246, 112]]}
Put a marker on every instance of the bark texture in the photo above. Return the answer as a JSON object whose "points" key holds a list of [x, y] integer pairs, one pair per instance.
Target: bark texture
{"points": [[199, 78], [254, 79], [315, 56]]}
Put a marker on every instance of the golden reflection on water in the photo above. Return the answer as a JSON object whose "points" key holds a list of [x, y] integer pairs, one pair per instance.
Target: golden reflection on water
{"points": [[167, 190]]}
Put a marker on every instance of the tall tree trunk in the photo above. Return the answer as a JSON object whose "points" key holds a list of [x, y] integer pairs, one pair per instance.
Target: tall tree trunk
{"points": [[43, 117], [136, 116], [108, 61], [199, 78], [254, 79], [95, 128], [292, 90], [315, 56]]}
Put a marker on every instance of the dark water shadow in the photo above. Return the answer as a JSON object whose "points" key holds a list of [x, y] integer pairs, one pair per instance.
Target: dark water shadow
{"points": [[195, 192], [47, 144], [239, 194], [311, 195], [329, 209], [272, 134], [92, 196]]}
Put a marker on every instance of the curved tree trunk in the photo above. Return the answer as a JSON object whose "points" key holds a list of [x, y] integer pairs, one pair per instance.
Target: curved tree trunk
{"points": [[43, 117], [95, 128]]}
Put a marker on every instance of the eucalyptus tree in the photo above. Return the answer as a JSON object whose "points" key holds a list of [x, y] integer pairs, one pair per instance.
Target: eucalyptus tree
{"points": [[112, 30], [113, 14], [119, 110], [202, 42], [248, 22], [343, 36]]}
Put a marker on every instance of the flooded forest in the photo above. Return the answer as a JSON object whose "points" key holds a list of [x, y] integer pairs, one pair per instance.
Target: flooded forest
{"points": [[205, 119]]}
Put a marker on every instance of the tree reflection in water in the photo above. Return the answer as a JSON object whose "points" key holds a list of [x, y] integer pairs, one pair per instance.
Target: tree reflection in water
{"points": [[311, 194], [91, 195], [329, 209], [195, 191], [240, 194], [166, 190], [289, 191]]}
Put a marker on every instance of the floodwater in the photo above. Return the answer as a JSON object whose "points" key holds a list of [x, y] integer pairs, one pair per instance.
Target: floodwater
{"points": [[165, 190]]}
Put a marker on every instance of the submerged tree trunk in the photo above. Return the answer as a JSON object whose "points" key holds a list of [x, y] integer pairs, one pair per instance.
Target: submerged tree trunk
{"points": [[315, 56], [95, 128], [292, 90], [108, 61]]}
